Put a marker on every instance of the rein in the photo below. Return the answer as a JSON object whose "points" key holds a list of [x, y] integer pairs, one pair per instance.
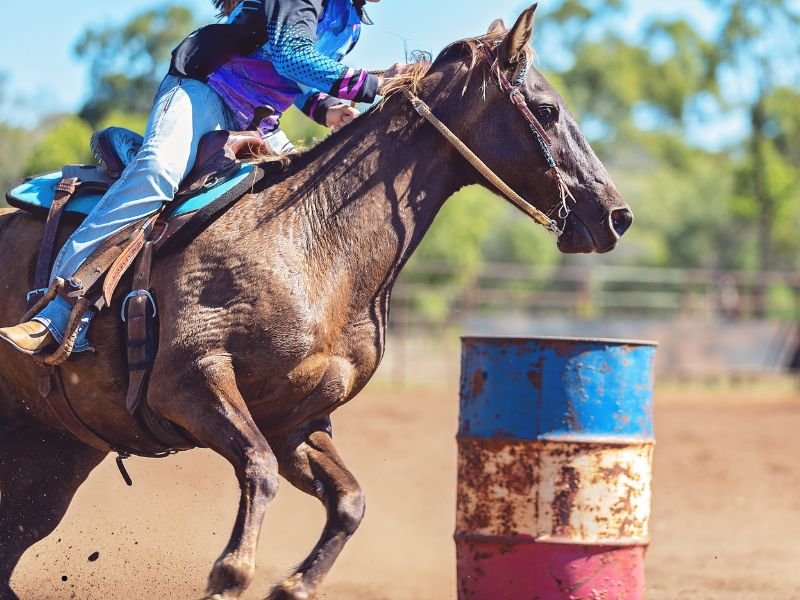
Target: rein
{"points": [[518, 99]]}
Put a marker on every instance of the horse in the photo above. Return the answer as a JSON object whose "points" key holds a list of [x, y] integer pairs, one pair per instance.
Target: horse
{"points": [[276, 314]]}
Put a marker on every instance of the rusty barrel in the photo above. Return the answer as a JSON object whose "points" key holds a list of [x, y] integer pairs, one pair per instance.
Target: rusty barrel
{"points": [[555, 447]]}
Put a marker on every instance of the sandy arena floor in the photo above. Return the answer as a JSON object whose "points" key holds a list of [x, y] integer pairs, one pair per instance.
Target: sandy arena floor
{"points": [[725, 524]]}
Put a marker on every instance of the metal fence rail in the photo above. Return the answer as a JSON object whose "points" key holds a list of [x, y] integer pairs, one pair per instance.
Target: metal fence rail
{"points": [[708, 323], [593, 292]]}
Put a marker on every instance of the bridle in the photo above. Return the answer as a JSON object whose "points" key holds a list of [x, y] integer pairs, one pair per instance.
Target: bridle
{"points": [[514, 92]]}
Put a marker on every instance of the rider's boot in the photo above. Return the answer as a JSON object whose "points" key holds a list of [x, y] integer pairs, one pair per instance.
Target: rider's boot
{"points": [[29, 338]]}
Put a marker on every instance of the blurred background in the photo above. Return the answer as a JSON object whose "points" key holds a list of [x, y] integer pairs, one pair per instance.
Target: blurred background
{"points": [[694, 107]]}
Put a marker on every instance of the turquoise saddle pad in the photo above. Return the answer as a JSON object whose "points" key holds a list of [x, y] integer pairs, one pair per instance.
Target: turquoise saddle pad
{"points": [[36, 194]]}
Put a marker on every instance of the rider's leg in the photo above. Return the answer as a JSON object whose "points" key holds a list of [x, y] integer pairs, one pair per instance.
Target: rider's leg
{"points": [[184, 110]]}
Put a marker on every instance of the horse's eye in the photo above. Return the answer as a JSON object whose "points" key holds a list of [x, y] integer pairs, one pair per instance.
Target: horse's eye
{"points": [[546, 113]]}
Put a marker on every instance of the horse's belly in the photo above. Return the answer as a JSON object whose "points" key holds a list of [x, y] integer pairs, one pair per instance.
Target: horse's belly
{"points": [[317, 386]]}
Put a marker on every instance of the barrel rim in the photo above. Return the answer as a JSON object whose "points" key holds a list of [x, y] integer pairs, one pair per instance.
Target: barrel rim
{"points": [[605, 440], [526, 538], [555, 338]]}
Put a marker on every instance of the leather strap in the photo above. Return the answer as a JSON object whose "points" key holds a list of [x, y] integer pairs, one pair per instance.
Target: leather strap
{"points": [[64, 191], [101, 260], [138, 311], [44, 381], [65, 413], [122, 263], [172, 227]]}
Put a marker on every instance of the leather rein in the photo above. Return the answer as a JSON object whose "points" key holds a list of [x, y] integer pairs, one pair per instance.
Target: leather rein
{"points": [[514, 92]]}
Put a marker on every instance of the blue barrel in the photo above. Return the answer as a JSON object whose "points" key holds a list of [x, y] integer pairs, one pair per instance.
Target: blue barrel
{"points": [[555, 448]]}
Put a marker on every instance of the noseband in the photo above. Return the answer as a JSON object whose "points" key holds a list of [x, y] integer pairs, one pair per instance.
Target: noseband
{"points": [[514, 92]]}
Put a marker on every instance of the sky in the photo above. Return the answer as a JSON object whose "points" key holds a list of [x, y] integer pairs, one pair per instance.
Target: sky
{"points": [[46, 72], [44, 77]]}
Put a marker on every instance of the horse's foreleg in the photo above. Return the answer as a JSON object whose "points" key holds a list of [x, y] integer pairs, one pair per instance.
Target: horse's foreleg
{"points": [[213, 411], [40, 471], [310, 462]]}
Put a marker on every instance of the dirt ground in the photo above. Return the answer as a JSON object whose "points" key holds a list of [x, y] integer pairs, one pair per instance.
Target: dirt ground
{"points": [[725, 522]]}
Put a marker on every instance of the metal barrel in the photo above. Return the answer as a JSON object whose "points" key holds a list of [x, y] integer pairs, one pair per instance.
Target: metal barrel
{"points": [[555, 448]]}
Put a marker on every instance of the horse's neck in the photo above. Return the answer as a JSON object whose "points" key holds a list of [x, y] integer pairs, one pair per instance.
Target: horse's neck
{"points": [[379, 190]]}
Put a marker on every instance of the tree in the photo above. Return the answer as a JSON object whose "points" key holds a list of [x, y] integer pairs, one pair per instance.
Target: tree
{"points": [[635, 94], [758, 43], [14, 145], [67, 142], [128, 62], [643, 93]]}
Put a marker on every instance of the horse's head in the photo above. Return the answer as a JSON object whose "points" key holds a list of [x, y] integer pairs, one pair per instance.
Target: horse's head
{"points": [[554, 170]]}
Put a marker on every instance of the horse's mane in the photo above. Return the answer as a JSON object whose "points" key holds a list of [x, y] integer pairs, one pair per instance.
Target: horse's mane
{"points": [[419, 66], [225, 7], [410, 80]]}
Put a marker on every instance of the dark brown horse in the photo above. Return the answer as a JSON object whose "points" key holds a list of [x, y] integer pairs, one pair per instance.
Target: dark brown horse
{"points": [[276, 315]]}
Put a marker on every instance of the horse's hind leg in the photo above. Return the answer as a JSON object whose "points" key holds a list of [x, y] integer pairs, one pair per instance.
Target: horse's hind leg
{"points": [[40, 471], [210, 407], [309, 461]]}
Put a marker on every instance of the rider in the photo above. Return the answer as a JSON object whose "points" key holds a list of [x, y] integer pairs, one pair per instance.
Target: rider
{"points": [[268, 52]]}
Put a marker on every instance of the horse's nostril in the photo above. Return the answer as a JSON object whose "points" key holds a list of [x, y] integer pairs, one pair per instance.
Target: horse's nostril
{"points": [[621, 220]]}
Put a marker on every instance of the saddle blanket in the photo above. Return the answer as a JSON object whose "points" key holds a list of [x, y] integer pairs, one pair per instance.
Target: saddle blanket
{"points": [[35, 194]]}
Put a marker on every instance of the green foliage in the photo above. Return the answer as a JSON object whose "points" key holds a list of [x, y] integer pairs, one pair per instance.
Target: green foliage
{"points": [[737, 208], [783, 188], [127, 62], [117, 118], [638, 94], [757, 38], [606, 80], [302, 130], [612, 76], [67, 142], [783, 108], [678, 194], [473, 226], [15, 143]]}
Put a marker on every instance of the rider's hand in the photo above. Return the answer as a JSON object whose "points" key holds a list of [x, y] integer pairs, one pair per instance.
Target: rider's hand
{"points": [[340, 115]]}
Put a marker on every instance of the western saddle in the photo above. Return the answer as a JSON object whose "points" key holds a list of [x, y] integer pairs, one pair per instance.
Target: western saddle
{"points": [[219, 156]]}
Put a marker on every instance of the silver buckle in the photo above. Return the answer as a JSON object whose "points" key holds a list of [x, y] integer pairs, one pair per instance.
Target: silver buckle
{"points": [[136, 294], [33, 292]]}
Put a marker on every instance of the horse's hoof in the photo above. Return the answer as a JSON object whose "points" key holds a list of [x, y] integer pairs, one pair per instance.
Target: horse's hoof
{"points": [[281, 594], [291, 589], [6, 593]]}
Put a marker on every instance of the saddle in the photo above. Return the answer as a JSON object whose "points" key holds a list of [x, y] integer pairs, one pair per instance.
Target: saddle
{"points": [[219, 177]]}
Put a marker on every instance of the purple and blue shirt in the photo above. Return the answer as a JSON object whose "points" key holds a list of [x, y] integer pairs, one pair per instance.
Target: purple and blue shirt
{"points": [[298, 64]]}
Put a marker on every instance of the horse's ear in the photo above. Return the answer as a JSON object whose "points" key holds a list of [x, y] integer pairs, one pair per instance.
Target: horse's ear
{"points": [[496, 26], [512, 48]]}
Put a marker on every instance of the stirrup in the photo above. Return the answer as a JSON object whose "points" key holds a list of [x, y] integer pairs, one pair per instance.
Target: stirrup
{"points": [[64, 350], [47, 296]]}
